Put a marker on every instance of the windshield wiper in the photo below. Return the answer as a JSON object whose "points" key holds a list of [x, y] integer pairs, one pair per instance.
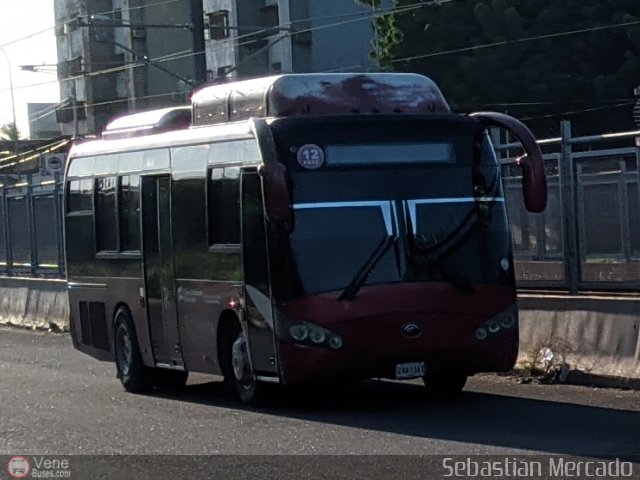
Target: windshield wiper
{"points": [[357, 282], [434, 260], [433, 255]]}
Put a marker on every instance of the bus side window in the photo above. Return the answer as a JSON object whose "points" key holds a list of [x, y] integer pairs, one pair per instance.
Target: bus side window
{"points": [[106, 218], [79, 195], [223, 192], [129, 212]]}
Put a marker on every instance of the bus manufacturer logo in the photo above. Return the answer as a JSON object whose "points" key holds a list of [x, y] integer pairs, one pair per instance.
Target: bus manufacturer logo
{"points": [[411, 330]]}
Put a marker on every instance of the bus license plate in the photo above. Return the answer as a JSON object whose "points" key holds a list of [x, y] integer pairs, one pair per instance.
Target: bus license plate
{"points": [[410, 370]]}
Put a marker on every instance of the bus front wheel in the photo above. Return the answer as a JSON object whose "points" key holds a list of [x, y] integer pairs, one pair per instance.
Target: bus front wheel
{"points": [[445, 385], [135, 377], [239, 372]]}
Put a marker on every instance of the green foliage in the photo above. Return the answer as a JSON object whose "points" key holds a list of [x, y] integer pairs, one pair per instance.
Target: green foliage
{"points": [[9, 132], [483, 55]]}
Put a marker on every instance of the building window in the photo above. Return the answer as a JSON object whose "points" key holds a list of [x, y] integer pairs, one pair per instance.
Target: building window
{"points": [[223, 198], [218, 25], [223, 71], [106, 217]]}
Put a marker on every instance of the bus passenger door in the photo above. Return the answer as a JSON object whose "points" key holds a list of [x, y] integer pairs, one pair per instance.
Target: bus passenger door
{"points": [[258, 318], [160, 290]]}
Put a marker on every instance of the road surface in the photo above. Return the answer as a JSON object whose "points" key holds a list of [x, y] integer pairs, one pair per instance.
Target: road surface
{"points": [[55, 400]]}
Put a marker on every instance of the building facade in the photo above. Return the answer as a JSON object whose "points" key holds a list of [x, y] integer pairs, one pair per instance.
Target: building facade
{"points": [[246, 38], [42, 121], [117, 56]]}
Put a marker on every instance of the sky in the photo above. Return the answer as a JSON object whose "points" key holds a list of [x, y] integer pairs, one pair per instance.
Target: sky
{"points": [[18, 19]]}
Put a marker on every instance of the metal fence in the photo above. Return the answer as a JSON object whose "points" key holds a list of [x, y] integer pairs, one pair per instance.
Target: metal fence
{"points": [[31, 228], [589, 236]]}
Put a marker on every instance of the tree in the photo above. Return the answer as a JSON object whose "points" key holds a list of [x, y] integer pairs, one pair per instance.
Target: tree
{"points": [[9, 132], [541, 60]]}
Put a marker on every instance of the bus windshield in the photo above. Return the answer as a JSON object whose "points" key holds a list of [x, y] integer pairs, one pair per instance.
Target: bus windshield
{"points": [[441, 198]]}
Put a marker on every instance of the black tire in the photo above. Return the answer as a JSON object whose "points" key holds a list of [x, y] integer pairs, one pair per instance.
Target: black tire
{"points": [[170, 380], [135, 377], [445, 385], [237, 370]]}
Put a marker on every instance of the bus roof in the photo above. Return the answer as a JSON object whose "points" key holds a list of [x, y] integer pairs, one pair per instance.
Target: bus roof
{"points": [[317, 94]]}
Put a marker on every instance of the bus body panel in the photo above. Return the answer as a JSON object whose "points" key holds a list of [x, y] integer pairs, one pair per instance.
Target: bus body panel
{"points": [[422, 181], [200, 305], [371, 327]]}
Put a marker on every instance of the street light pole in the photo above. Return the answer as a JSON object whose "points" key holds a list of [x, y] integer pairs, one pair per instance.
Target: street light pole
{"points": [[13, 102]]}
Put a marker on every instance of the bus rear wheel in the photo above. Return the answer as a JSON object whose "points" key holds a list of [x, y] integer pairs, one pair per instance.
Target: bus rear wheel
{"points": [[135, 377], [445, 385]]}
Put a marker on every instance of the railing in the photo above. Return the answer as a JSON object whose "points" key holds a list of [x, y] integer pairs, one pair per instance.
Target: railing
{"points": [[587, 239], [31, 241], [589, 236]]}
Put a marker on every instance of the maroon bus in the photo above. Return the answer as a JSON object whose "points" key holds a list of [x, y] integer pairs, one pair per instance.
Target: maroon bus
{"points": [[297, 229]]}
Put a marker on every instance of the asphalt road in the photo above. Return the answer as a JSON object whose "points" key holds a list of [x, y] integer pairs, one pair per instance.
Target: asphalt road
{"points": [[55, 400]]}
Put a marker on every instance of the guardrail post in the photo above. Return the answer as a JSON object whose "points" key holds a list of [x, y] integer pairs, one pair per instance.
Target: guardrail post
{"points": [[33, 245], [623, 205], [7, 239], [569, 209]]}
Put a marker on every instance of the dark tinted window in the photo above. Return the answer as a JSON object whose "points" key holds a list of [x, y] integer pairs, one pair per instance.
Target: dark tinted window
{"points": [[79, 195], [224, 205], [129, 209], [254, 237], [106, 219]]}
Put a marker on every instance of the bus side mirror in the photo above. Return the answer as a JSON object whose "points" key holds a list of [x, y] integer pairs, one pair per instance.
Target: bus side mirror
{"points": [[274, 176], [534, 180]]}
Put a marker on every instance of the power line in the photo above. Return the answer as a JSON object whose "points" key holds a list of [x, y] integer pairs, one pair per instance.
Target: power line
{"points": [[586, 110], [519, 40]]}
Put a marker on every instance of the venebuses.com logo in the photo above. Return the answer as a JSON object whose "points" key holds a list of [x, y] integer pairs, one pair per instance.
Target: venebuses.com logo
{"points": [[18, 467]]}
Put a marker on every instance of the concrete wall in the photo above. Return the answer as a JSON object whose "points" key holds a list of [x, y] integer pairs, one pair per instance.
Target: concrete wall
{"points": [[598, 335], [34, 303]]}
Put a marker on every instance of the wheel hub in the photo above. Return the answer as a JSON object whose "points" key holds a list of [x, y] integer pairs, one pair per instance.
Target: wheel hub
{"points": [[124, 353], [240, 361]]}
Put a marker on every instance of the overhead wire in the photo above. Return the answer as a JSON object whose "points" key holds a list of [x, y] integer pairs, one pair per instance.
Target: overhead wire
{"points": [[361, 16]]}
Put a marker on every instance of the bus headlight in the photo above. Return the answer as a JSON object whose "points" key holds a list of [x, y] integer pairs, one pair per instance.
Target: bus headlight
{"points": [[317, 336], [481, 333], [305, 333], [299, 332], [335, 342], [493, 326], [506, 319]]}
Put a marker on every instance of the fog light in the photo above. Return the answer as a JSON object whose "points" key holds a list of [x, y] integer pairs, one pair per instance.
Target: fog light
{"points": [[299, 332], [335, 342], [317, 336], [481, 333], [493, 326]]}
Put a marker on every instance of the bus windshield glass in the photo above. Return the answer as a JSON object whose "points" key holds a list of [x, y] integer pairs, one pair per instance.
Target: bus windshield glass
{"points": [[440, 197]]}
